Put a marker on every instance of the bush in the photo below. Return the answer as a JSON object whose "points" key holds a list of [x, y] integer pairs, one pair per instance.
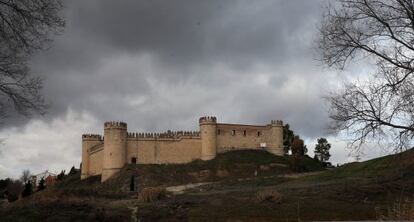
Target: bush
{"points": [[400, 211], [42, 185], [73, 171], [28, 189], [61, 175], [296, 163], [271, 196], [14, 189], [150, 194]]}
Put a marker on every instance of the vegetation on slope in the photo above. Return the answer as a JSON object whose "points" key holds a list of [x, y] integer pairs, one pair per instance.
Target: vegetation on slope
{"points": [[392, 167], [226, 166]]}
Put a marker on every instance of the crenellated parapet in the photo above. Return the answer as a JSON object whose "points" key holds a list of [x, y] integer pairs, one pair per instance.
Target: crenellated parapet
{"points": [[91, 137], [208, 129], [115, 148], [277, 122], [207, 120], [115, 125], [168, 134], [106, 154]]}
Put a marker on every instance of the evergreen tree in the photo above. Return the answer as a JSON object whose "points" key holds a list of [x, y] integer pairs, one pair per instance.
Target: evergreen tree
{"points": [[42, 185], [132, 184], [322, 150], [287, 138], [73, 170], [61, 175], [28, 189]]}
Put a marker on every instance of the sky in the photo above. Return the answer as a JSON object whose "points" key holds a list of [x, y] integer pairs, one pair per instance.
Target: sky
{"points": [[160, 65]]}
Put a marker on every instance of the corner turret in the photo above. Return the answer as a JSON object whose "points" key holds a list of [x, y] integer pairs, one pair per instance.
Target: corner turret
{"points": [[115, 146], [88, 141], [275, 139], [208, 131]]}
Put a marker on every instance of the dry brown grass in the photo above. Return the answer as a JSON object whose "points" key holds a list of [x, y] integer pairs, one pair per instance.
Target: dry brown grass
{"points": [[402, 210], [150, 194], [222, 173], [268, 196]]}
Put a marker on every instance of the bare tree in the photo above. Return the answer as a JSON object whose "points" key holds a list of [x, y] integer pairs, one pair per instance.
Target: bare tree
{"points": [[382, 107], [24, 28], [25, 176]]}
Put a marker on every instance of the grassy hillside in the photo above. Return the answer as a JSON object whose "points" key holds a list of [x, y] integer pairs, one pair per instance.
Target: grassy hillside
{"points": [[387, 168], [357, 191], [381, 188], [226, 166]]}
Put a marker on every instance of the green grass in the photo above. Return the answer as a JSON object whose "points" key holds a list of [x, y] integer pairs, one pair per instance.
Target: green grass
{"points": [[353, 191], [63, 211], [384, 168], [236, 164]]}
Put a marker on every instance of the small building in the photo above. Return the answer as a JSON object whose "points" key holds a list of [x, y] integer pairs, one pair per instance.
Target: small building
{"points": [[50, 178]]}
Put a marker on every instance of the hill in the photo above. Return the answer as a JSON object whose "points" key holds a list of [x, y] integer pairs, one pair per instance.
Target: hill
{"points": [[226, 166], [241, 185]]}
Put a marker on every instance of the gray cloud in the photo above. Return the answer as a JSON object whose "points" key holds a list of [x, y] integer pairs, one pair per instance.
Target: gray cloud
{"points": [[161, 64]]}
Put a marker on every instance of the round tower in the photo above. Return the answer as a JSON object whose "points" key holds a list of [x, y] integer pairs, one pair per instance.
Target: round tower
{"points": [[88, 141], [115, 146], [275, 140], [208, 130]]}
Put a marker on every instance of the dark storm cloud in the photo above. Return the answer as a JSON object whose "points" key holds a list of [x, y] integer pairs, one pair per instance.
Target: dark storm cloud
{"points": [[112, 49], [161, 64]]}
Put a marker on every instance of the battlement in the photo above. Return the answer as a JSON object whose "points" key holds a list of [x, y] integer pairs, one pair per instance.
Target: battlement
{"points": [[91, 137], [168, 134], [207, 119], [116, 125], [277, 122], [106, 154]]}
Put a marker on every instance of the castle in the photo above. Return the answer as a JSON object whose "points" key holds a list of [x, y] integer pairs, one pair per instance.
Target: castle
{"points": [[106, 155]]}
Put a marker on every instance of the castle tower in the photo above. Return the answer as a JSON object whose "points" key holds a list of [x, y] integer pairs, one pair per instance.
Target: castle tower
{"points": [[88, 141], [275, 138], [208, 130], [115, 146]]}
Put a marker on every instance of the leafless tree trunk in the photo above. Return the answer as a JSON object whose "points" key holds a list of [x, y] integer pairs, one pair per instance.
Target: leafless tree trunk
{"points": [[25, 176], [382, 107], [24, 28]]}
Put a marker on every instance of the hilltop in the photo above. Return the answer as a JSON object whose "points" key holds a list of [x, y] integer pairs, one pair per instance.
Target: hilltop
{"points": [[234, 183]]}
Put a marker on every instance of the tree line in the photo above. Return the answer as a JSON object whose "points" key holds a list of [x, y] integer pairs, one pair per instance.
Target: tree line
{"points": [[13, 189]]}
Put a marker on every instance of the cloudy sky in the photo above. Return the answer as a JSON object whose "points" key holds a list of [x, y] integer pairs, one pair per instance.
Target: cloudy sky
{"points": [[160, 65]]}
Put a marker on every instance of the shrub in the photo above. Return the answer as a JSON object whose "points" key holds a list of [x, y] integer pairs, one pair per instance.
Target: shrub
{"points": [[42, 185], [14, 189], [61, 175], [132, 183], [403, 210], [28, 189], [150, 194], [271, 196]]}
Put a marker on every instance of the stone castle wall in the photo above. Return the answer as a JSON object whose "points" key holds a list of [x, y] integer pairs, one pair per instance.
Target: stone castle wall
{"points": [[164, 150], [233, 136], [106, 156]]}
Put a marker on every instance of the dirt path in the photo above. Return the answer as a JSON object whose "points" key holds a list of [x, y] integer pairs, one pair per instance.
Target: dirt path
{"points": [[181, 188], [134, 211], [223, 189]]}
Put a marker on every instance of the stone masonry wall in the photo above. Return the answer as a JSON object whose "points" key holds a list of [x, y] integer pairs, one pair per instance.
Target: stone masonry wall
{"points": [[163, 150], [239, 137], [182, 147]]}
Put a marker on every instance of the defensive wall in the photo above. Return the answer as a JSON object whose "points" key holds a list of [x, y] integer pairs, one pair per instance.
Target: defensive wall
{"points": [[108, 154]]}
